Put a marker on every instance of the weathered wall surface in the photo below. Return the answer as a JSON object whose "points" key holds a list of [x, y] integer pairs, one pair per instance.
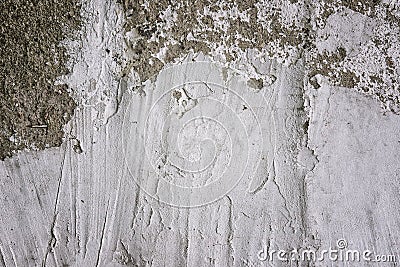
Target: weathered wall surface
{"points": [[33, 109], [216, 151]]}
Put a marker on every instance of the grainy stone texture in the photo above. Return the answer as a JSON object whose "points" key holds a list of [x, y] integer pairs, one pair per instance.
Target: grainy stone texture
{"points": [[33, 109], [223, 149]]}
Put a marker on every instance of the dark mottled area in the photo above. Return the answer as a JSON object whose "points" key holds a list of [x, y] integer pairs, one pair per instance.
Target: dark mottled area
{"points": [[33, 110], [364, 7], [327, 65], [269, 29], [191, 20], [145, 17]]}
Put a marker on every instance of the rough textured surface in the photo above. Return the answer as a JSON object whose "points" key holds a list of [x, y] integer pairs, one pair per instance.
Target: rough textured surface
{"points": [[335, 38], [217, 157], [33, 109]]}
